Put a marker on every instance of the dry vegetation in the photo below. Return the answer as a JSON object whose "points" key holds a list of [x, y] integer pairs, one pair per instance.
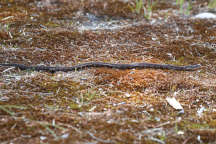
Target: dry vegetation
{"points": [[105, 105]]}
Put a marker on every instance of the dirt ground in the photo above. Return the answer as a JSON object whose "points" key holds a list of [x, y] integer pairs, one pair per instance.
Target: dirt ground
{"points": [[102, 105]]}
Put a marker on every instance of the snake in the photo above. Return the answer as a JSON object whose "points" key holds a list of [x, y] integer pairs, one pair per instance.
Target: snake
{"points": [[143, 65]]}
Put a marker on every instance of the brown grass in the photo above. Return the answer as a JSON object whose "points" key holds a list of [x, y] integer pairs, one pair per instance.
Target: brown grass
{"points": [[104, 105]]}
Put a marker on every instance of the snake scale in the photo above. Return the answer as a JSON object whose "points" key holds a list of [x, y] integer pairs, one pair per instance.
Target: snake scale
{"points": [[102, 64]]}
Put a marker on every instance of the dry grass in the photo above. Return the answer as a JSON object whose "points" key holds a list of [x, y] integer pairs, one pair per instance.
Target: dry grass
{"points": [[104, 105]]}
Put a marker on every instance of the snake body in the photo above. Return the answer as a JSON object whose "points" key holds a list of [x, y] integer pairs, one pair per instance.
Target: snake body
{"points": [[102, 64]]}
